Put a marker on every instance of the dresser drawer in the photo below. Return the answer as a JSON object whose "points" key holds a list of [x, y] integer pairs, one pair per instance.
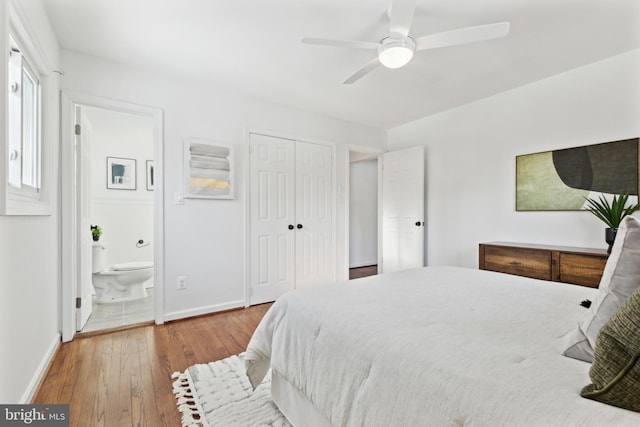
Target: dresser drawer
{"points": [[519, 261], [579, 266], [580, 269]]}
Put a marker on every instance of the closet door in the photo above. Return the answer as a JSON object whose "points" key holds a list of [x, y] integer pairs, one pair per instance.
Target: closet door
{"points": [[272, 207], [291, 220], [314, 215]]}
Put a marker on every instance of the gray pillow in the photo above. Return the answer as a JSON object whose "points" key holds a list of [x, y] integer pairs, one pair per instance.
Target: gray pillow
{"points": [[615, 372], [620, 278]]}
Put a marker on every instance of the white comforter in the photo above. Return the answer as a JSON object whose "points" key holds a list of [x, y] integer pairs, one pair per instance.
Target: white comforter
{"points": [[439, 346]]}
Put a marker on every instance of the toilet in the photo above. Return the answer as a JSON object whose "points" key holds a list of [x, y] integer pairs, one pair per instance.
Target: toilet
{"points": [[122, 282]]}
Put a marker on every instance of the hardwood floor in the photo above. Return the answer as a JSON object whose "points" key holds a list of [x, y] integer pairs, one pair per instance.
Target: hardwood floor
{"points": [[357, 272], [124, 378]]}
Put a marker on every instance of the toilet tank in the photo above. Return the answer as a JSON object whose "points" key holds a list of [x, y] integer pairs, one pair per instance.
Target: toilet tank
{"points": [[97, 258]]}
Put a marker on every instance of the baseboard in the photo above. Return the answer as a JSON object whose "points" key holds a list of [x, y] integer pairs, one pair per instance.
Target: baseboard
{"points": [[42, 370], [183, 314], [363, 264]]}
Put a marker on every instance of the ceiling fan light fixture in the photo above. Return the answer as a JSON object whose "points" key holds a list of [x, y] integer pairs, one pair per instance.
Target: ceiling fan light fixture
{"points": [[394, 53]]}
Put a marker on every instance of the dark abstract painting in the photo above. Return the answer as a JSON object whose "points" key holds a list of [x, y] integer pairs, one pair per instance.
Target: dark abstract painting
{"points": [[562, 179]]}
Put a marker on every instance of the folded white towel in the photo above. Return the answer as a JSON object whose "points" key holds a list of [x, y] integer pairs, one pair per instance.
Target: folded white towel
{"points": [[213, 163], [208, 150], [204, 158], [209, 173]]}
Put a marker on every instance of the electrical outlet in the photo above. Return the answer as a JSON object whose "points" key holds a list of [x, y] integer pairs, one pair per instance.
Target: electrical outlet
{"points": [[182, 282]]}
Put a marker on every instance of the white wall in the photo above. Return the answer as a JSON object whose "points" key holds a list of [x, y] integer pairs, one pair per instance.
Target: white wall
{"points": [[471, 157], [363, 213], [125, 216], [29, 249], [204, 239]]}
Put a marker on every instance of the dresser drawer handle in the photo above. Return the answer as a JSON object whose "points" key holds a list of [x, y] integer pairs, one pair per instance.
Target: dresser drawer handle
{"points": [[515, 262]]}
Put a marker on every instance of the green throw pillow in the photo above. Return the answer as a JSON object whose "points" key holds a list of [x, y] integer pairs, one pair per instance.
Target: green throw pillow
{"points": [[615, 372]]}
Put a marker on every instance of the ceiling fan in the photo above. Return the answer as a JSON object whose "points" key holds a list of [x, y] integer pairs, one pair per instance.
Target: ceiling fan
{"points": [[397, 49]]}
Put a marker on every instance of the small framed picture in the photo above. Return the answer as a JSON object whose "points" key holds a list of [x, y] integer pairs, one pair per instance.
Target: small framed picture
{"points": [[121, 173], [150, 182]]}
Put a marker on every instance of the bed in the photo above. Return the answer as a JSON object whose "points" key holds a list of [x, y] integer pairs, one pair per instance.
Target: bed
{"points": [[435, 346]]}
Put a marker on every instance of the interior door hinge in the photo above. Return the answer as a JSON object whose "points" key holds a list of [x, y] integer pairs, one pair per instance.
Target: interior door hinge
{"points": [[78, 129], [78, 302]]}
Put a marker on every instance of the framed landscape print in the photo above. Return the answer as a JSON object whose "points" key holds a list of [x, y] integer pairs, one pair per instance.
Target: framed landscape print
{"points": [[121, 173], [561, 180]]}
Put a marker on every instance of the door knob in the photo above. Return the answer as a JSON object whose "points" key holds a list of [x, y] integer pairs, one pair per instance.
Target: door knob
{"points": [[290, 227], [299, 226], [418, 223]]}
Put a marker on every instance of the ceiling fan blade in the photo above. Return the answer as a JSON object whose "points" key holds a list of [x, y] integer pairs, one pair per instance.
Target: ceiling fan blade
{"points": [[463, 36], [362, 71], [340, 43], [401, 15]]}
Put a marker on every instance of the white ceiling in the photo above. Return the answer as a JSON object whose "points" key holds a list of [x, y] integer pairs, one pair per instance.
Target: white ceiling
{"points": [[253, 47]]}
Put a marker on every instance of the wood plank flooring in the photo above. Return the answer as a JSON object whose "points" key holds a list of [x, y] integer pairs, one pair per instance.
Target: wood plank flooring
{"points": [[123, 378], [358, 272]]}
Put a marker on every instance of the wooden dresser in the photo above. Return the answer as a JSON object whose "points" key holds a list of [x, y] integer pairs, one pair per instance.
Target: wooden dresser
{"points": [[580, 266]]}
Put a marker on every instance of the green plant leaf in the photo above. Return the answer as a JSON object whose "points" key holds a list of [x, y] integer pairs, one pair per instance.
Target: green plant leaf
{"points": [[611, 213]]}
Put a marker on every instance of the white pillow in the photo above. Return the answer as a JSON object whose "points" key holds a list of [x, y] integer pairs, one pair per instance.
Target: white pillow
{"points": [[620, 278]]}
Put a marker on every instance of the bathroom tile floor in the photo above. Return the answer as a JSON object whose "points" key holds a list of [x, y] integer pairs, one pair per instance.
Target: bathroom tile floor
{"points": [[105, 316]]}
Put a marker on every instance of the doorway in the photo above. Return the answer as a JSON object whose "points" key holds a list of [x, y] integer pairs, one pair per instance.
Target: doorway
{"points": [[97, 133], [122, 211], [363, 212], [399, 215]]}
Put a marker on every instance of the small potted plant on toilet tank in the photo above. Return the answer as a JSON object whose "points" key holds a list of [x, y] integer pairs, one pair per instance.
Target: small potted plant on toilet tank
{"points": [[96, 232]]}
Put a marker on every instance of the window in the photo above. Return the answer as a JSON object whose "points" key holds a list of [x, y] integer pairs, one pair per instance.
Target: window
{"points": [[28, 101], [24, 124]]}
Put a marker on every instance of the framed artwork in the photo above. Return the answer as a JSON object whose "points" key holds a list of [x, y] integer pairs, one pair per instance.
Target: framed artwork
{"points": [[208, 170], [150, 182], [121, 173], [561, 180]]}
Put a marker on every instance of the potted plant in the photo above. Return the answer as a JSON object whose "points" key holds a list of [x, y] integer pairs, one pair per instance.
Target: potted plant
{"points": [[611, 213], [96, 232]]}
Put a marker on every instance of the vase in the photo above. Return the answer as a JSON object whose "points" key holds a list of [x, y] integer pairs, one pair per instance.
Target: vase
{"points": [[610, 237], [96, 238]]}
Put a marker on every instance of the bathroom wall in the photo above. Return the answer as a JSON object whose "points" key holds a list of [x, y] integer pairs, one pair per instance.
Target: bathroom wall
{"points": [[125, 216]]}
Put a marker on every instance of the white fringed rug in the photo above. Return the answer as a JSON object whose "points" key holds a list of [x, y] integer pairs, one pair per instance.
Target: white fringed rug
{"points": [[219, 394]]}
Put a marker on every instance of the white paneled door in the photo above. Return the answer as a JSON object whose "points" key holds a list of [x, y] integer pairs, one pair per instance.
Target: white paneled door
{"points": [[402, 237], [272, 253], [85, 241], [291, 220], [314, 215]]}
